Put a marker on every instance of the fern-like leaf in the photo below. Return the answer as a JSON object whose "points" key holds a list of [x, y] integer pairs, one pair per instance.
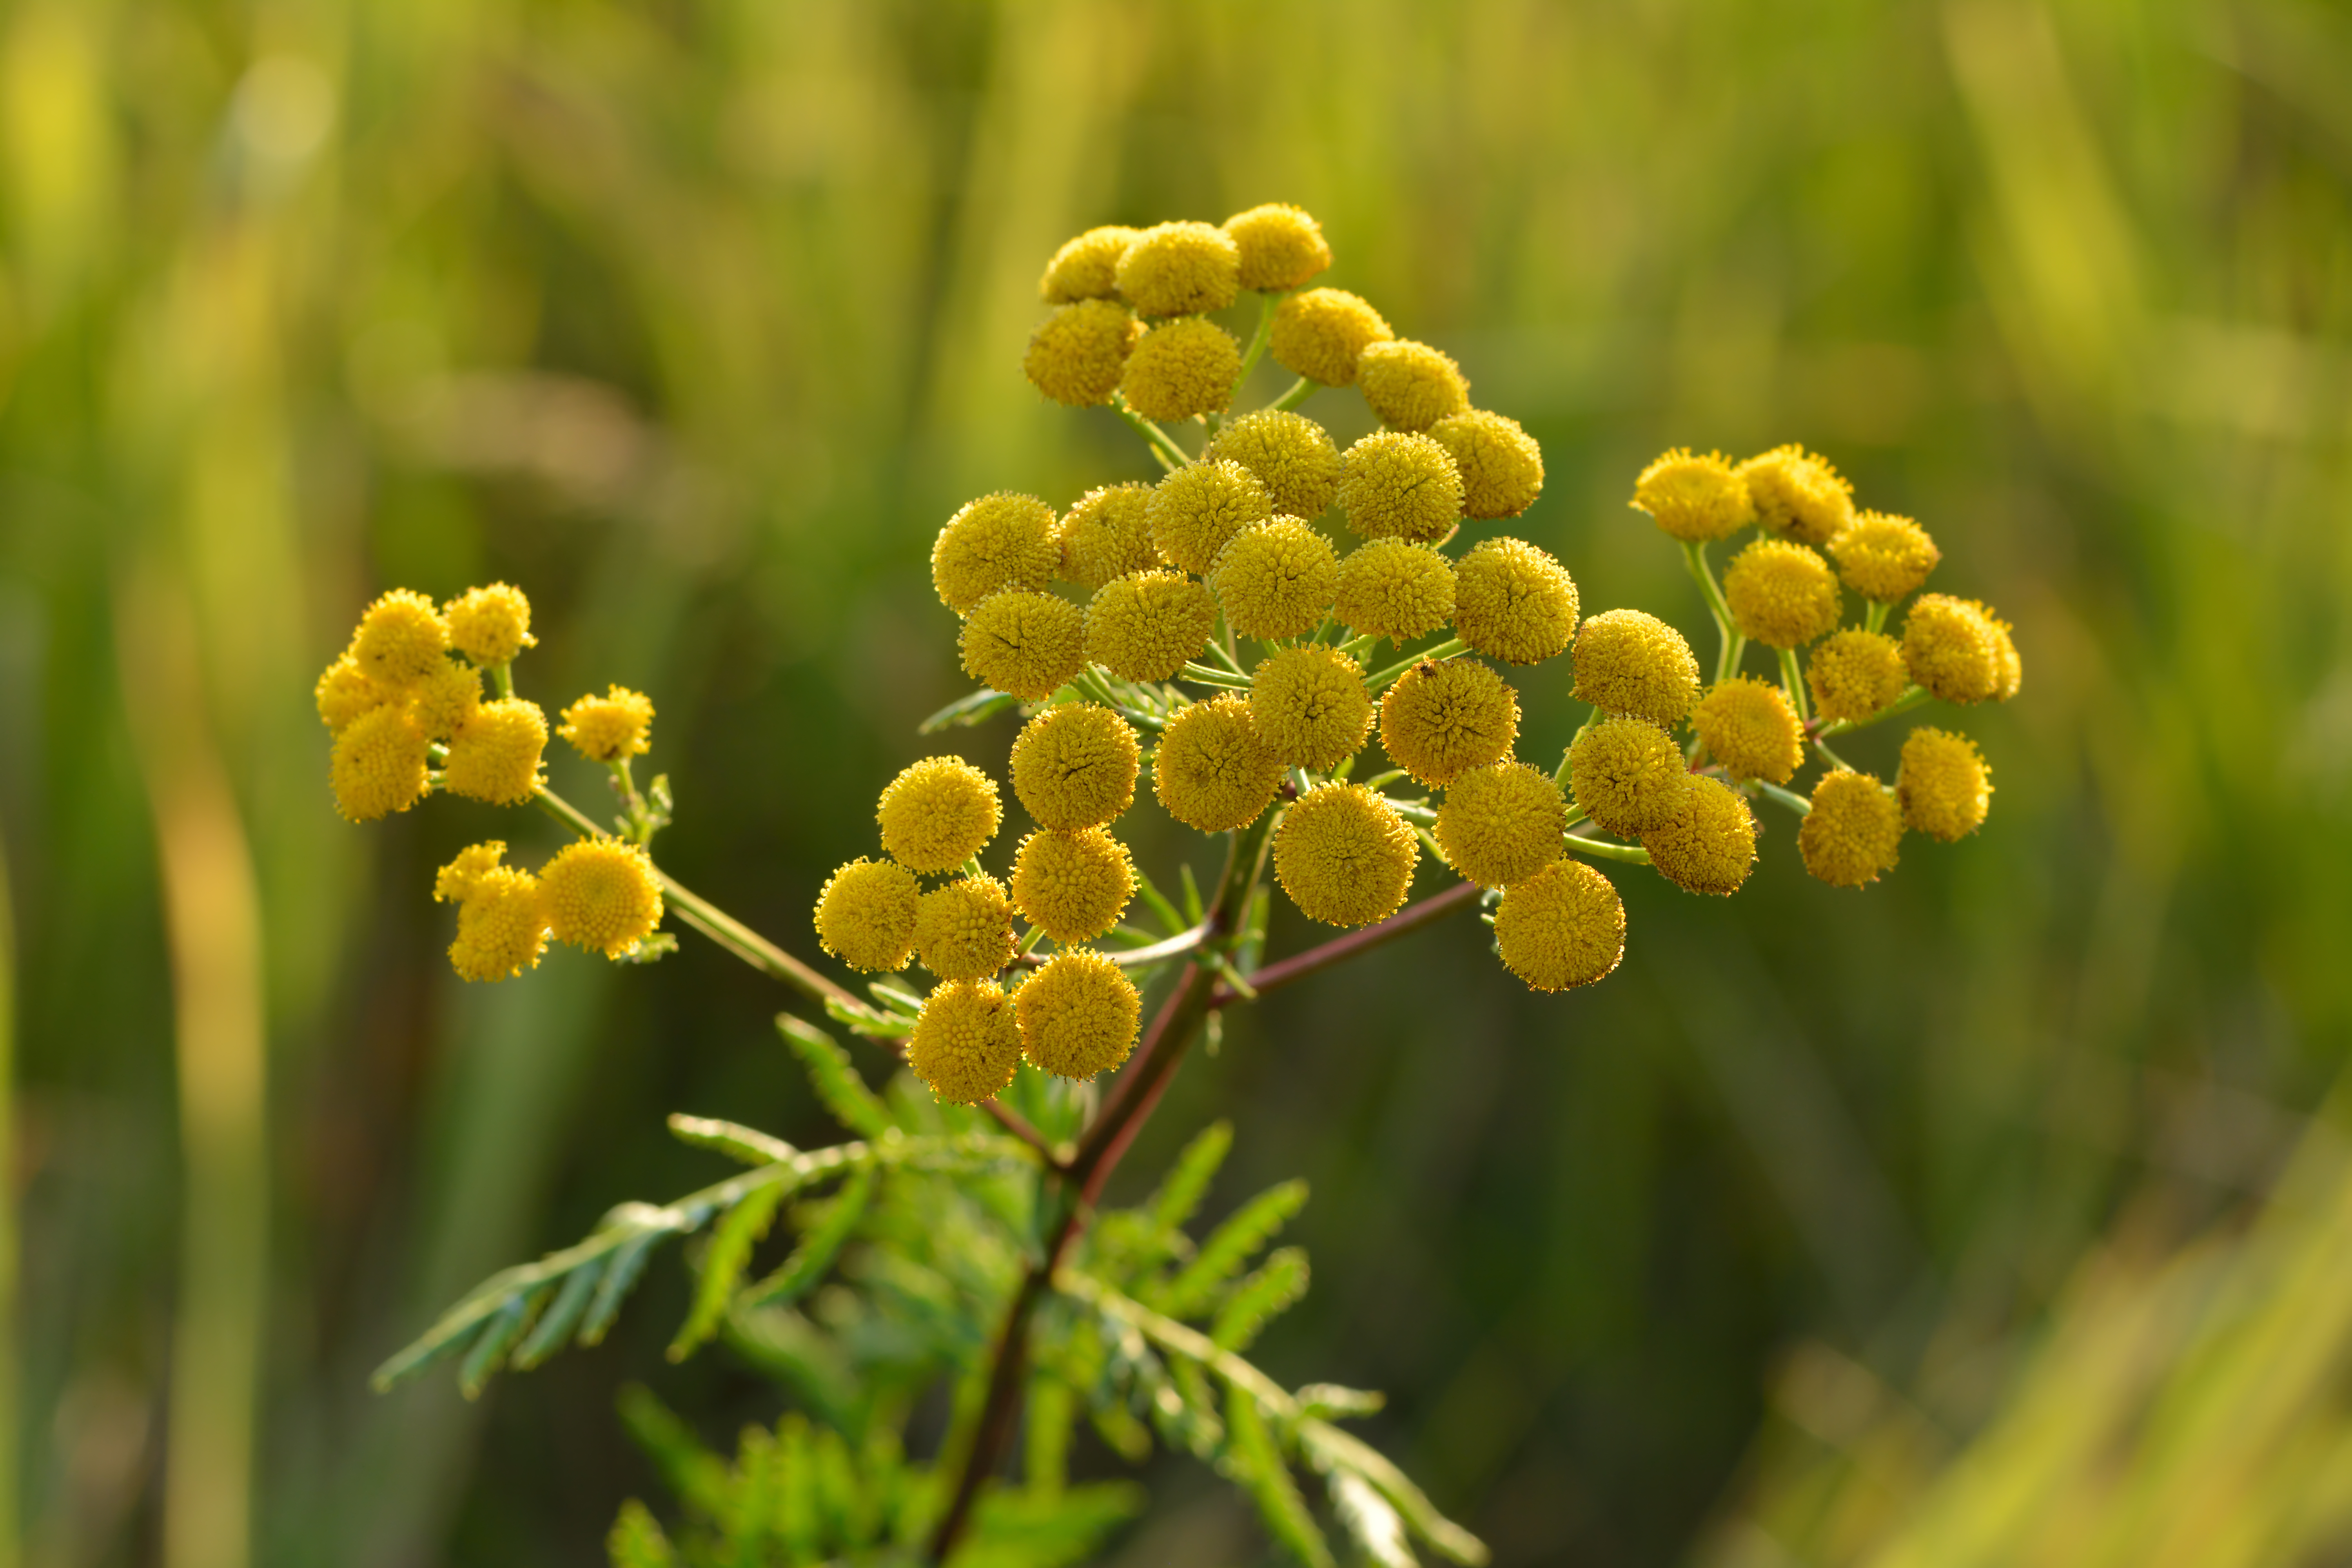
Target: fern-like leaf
{"points": [[837, 1082]]}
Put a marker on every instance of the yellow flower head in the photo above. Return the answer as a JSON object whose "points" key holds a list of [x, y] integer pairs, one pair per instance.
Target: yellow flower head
{"points": [[1085, 267], [344, 692], [1390, 589], [601, 895], [2011, 669], [1395, 485], [1563, 927], [1281, 247], [1105, 534], [458, 879], [866, 915], [1631, 662], [501, 926], [1628, 775], [1694, 499], [1291, 455], [1195, 511], [1146, 627], [1026, 643], [1077, 1015], [937, 813], [963, 930], [1182, 368], [1798, 495], [1748, 725], [378, 766], [1180, 269], [495, 754], [1951, 648], [1853, 832], [1502, 466], [1322, 334], [1000, 540], [1410, 386], [1855, 673], [446, 699], [1073, 885], [1074, 767], [1514, 602], [1501, 824], [1309, 706], [1211, 770], [1344, 856], [489, 625], [964, 1045], [1275, 579], [1077, 356], [1782, 594], [1944, 787], [610, 728], [1882, 557], [401, 638], [1440, 719], [1711, 845]]}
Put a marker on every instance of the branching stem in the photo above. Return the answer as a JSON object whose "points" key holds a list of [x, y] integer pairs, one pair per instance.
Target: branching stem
{"points": [[1729, 644], [1163, 445]]}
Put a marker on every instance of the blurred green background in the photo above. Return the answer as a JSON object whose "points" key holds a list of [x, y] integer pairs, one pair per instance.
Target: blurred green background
{"points": [[1936, 1224]]}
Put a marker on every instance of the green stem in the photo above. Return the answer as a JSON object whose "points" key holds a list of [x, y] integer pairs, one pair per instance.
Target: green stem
{"points": [[1201, 675], [1258, 340], [1396, 672], [502, 676], [1913, 697], [1831, 757], [1792, 682], [1300, 391], [1874, 618], [1729, 644], [1631, 853], [1163, 445], [1787, 797]]}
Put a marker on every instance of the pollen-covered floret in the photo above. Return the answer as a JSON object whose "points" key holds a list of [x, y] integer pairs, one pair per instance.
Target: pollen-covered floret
{"points": [[1853, 832], [937, 813], [495, 754], [1411, 385], [1180, 369], [1105, 534], [489, 625], [378, 766], [1275, 579], [1799, 495], [1079, 353], [1748, 725], [401, 640], [1502, 466], [459, 876], [1077, 1015], [1627, 775], [963, 930], [1694, 499], [1195, 511], [1309, 706], [1146, 625], [1344, 855], [1855, 673], [964, 1043], [501, 926], [1211, 770], [1951, 648], [1711, 845], [447, 698], [1291, 455], [344, 692], [601, 894], [1884, 557], [1563, 927], [1074, 767], [1085, 267], [1513, 602], [1628, 661], [1025, 643], [1501, 823], [866, 915], [1180, 269], [1782, 594], [1440, 719], [1000, 540], [611, 727], [1396, 485], [2010, 667], [1392, 589], [1281, 246], [1944, 787], [1322, 334], [1073, 885]]}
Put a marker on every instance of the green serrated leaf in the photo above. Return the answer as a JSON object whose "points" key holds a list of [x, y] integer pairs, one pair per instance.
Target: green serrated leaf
{"points": [[1331, 1401], [733, 1139], [700, 1478], [1053, 1416], [1370, 1522], [723, 1265], [1260, 1298], [620, 1277], [563, 1315], [837, 1082], [1329, 1449], [1157, 903], [488, 1351], [636, 1540], [1192, 906], [817, 1249], [1258, 1463], [1187, 1181], [1229, 1247]]}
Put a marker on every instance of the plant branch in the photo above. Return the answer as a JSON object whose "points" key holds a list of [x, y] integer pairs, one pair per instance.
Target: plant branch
{"points": [[1729, 644], [1300, 391], [1631, 853], [1913, 697], [1298, 966], [1394, 672], [1163, 445], [1175, 946], [1265, 308]]}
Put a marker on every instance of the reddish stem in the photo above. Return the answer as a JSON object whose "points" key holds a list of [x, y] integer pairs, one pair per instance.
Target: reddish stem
{"points": [[1412, 917]]}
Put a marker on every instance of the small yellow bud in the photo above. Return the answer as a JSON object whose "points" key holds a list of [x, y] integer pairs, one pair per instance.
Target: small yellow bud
{"points": [[1180, 369], [610, 728], [1628, 775], [1748, 725], [1411, 385], [602, 895], [1291, 455], [1853, 832], [1631, 662], [1440, 719], [1281, 247], [1501, 823], [1073, 885], [1028, 644], [1322, 334], [1074, 767], [1944, 787], [1950, 647], [1855, 673], [1148, 626], [1212, 771], [866, 915], [1390, 589], [1782, 594], [1395, 485], [1798, 495], [1078, 355], [1000, 540], [344, 692], [1882, 557], [937, 813], [1077, 1015], [1344, 856], [446, 699], [1502, 466], [1514, 602], [1195, 511], [495, 754], [964, 1045], [1694, 499], [489, 625], [401, 640], [378, 765], [1085, 267], [1106, 535], [1711, 845], [455, 882], [963, 930], [501, 926], [1180, 269], [1309, 706], [1563, 927], [1275, 579]]}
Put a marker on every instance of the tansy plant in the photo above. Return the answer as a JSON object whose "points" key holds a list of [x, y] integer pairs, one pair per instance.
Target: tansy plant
{"points": [[1208, 631]]}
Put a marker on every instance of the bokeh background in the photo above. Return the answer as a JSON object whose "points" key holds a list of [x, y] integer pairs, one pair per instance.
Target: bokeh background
{"points": [[1992, 1215]]}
